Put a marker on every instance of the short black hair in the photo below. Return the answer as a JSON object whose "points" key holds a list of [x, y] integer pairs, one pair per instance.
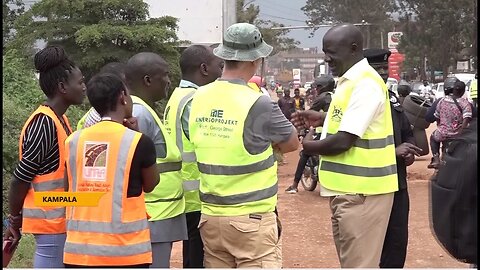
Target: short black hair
{"points": [[54, 66], [116, 68], [103, 91], [404, 90], [192, 57]]}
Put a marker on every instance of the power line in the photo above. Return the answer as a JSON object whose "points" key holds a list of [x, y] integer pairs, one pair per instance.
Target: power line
{"points": [[278, 17]]}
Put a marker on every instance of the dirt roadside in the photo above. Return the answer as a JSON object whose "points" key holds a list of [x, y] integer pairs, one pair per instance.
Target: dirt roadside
{"points": [[308, 241]]}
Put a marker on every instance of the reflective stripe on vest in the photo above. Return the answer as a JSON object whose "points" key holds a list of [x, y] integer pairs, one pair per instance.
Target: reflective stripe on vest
{"points": [[44, 214], [369, 166], [191, 185], [46, 220], [240, 198], [108, 250], [49, 185], [236, 170], [167, 198], [189, 156], [232, 181], [121, 236], [372, 143]]}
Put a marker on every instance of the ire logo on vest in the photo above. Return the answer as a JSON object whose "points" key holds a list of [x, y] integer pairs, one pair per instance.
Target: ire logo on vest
{"points": [[216, 113], [95, 161]]}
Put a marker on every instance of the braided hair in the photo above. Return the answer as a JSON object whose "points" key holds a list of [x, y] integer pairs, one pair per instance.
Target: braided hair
{"points": [[54, 66]]}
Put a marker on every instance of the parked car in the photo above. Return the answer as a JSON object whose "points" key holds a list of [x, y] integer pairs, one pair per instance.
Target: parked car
{"points": [[439, 90]]}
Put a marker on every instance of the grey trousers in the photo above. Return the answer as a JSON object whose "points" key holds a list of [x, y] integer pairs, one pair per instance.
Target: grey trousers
{"points": [[161, 253]]}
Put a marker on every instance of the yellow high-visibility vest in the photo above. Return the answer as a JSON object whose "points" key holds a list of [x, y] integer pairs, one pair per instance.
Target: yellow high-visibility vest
{"points": [[369, 166], [232, 181]]}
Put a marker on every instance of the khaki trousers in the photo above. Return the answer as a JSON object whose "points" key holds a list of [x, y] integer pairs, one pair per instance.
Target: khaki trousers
{"points": [[359, 224], [249, 241]]}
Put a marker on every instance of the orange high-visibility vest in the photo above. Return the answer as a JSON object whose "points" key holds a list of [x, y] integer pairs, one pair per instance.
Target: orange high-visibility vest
{"points": [[45, 220], [115, 232]]}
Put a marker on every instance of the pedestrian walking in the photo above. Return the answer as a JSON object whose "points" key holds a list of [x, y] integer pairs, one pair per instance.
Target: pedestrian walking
{"points": [[199, 67], [42, 158], [287, 104], [358, 168], [233, 129], [394, 250], [147, 77], [114, 233], [299, 101]]}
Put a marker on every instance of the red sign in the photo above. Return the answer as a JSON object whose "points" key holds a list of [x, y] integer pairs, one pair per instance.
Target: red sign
{"points": [[394, 62]]}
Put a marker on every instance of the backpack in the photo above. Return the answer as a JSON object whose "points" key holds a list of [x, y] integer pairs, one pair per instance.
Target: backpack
{"points": [[453, 194]]}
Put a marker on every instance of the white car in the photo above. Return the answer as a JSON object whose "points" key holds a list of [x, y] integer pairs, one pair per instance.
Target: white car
{"points": [[438, 90]]}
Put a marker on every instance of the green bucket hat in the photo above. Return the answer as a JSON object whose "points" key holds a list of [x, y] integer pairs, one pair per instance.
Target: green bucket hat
{"points": [[242, 42]]}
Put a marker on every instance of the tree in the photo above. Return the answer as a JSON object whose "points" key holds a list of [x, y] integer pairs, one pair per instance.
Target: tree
{"points": [[375, 12], [437, 30], [277, 38], [97, 32], [11, 10]]}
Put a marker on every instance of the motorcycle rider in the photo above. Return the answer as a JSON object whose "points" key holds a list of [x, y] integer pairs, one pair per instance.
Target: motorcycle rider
{"points": [[324, 86]]}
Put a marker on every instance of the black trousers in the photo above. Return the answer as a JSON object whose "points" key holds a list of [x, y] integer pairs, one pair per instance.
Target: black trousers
{"points": [[396, 239], [302, 162], [193, 247]]}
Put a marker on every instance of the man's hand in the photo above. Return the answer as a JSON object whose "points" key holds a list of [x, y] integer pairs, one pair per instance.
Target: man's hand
{"points": [[405, 149], [306, 119], [131, 123]]}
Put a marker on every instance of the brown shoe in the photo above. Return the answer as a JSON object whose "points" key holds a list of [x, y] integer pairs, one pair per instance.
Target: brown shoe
{"points": [[434, 163]]}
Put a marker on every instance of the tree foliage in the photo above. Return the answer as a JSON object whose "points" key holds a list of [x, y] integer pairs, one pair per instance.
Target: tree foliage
{"points": [[438, 30], [277, 38], [11, 10], [97, 32], [375, 12]]}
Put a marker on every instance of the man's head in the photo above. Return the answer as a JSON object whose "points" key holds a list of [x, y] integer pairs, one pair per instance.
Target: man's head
{"points": [[286, 93], [108, 93], [199, 65], [343, 47], [296, 92], [378, 59], [425, 82], [116, 68], [324, 83], [147, 74], [243, 49], [449, 85], [404, 90]]}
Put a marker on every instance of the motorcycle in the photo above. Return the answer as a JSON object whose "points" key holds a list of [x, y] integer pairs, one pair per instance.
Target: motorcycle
{"points": [[309, 178]]}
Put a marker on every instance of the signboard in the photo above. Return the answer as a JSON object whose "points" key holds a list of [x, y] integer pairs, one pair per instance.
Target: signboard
{"points": [[296, 74], [394, 39], [394, 62]]}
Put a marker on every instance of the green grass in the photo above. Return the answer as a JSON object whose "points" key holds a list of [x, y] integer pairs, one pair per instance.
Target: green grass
{"points": [[23, 257]]}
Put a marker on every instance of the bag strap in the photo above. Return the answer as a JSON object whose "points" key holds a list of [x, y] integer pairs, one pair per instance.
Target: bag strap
{"points": [[458, 105]]}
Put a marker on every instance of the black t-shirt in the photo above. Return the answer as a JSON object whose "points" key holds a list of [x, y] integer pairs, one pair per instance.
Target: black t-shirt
{"points": [[143, 157]]}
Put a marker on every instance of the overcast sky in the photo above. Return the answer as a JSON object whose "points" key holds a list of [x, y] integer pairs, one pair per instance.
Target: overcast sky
{"points": [[289, 13]]}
